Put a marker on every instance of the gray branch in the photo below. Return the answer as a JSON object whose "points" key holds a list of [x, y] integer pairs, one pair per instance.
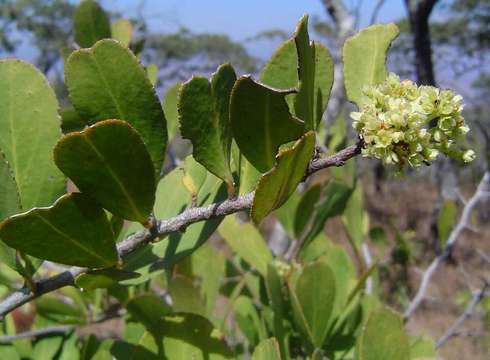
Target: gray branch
{"points": [[468, 312], [481, 192], [49, 331], [163, 228]]}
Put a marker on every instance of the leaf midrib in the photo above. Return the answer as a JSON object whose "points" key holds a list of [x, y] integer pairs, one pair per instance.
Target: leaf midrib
{"points": [[115, 177], [71, 240]]}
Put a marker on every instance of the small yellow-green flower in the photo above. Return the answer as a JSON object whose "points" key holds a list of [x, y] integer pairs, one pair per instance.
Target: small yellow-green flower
{"points": [[402, 123]]}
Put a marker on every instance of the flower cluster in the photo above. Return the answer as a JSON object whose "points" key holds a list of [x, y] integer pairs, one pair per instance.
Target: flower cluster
{"points": [[402, 123]]}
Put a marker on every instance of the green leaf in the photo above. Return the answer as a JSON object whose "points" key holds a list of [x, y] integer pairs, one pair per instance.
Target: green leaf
{"points": [[103, 278], [281, 71], [186, 336], [383, 337], [186, 297], [276, 186], [9, 197], [304, 100], [274, 285], [246, 241], [355, 217], [107, 82], [336, 195], [147, 309], [152, 73], [305, 209], [364, 57], [109, 161], [170, 108], [315, 70], [312, 299], [248, 319], [47, 347], [283, 213], [29, 128], [261, 121], [267, 350], [71, 121], [122, 31], [205, 120], [446, 220], [90, 23], [73, 231], [59, 311], [422, 348], [171, 199], [209, 264]]}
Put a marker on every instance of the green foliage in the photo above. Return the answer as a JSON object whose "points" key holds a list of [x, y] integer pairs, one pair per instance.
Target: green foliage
{"points": [[74, 231], [244, 298], [90, 23], [370, 45], [261, 121], [383, 338], [107, 82], [29, 128], [275, 187], [109, 161], [205, 120]]}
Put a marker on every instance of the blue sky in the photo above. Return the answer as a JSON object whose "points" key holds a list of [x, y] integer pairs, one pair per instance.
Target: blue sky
{"points": [[240, 19]]}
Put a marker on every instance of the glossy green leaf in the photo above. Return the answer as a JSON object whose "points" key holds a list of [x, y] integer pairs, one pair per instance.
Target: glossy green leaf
{"points": [[336, 195], [246, 241], [186, 297], [304, 100], [170, 108], [107, 82], [122, 31], [73, 231], [205, 120], [276, 186], [103, 278], [267, 350], [29, 129], [109, 161], [9, 197], [305, 208], [90, 23], [383, 337], [312, 300], [446, 219], [364, 58], [281, 72], [261, 121]]}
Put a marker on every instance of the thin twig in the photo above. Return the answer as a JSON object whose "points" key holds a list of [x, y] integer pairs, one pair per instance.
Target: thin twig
{"points": [[481, 192], [468, 312], [49, 331], [163, 228]]}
